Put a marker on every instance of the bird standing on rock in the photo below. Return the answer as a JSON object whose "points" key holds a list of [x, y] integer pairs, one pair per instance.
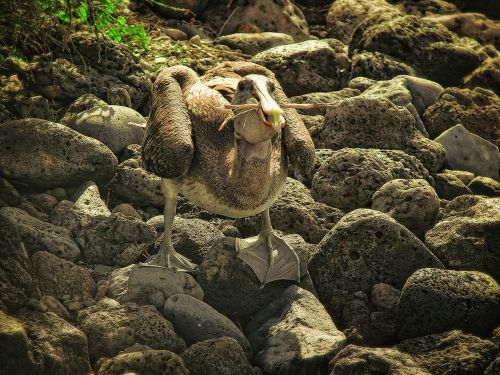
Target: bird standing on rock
{"points": [[232, 163]]}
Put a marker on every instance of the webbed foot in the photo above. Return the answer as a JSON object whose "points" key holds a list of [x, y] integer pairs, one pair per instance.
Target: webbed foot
{"points": [[172, 260], [270, 257]]}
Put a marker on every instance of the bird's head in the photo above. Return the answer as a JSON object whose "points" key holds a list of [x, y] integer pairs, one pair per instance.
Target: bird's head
{"points": [[254, 128]]}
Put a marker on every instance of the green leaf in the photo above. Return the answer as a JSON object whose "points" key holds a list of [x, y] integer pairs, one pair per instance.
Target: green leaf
{"points": [[83, 12], [121, 21], [63, 16]]}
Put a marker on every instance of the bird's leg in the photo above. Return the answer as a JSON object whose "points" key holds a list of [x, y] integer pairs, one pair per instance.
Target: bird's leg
{"points": [[269, 256], [167, 257]]}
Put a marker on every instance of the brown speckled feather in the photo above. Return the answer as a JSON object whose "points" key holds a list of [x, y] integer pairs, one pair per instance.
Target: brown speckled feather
{"points": [[297, 141], [167, 148]]}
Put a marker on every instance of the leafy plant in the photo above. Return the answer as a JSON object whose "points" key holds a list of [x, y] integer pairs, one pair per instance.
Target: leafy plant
{"points": [[100, 15]]}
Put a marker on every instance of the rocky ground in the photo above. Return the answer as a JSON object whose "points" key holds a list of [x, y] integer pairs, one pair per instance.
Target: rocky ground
{"points": [[397, 226]]}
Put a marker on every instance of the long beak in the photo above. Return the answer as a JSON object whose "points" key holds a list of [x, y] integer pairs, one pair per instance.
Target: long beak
{"points": [[270, 107]]}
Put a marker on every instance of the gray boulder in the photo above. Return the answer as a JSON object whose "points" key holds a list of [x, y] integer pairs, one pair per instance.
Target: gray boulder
{"points": [[195, 321], [115, 240], [476, 110], [293, 334], [485, 186], [262, 15], [413, 203], [378, 66], [150, 286], [416, 41], [81, 104], [52, 155], [133, 184], [89, 203], [148, 361], [111, 328], [469, 152], [58, 277], [313, 65], [448, 186], [366, 247], [452, 352], [436, 300], [65, 215], [253, 43], [17, 286], [349, 177], [372, 121], [360, 360], [219, 356], [344, 16], [468, 235], [38, 235], [115, 126], [37, 342]]}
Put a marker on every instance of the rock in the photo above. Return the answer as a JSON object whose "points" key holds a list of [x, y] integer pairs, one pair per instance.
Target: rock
{"points": [[321, 156], [41, 343], [158, 222], [89, 203], [464, 176], [45, 202], [59, 193], [435, 300], [127, 210], [476, 110], [66, 216], [115, 126], [193, 237], [219, 356], [344, 16], [17, 286], [472, 25], [231, 287], [81, 104], [195, 321], [451, 352], [40, 236], [45, 164], [364, 248], [469, 152], [371, 121], [295, 211], [293, 334], [58, 277], [426, 7], [61, 78], [487, 75], [133, 184], [111, 328], [384, 296], [378, 66], [468, 235], [449, 186], [175, 34], [253, 43], [313, 65], [54, 305], [151, 362], [148, 286], [34, 106], [261, 15], [350, 176], [416, 41], [358, 360], [118, 95], [9, 196], [115, 240], [485, 186], [413, 203]]}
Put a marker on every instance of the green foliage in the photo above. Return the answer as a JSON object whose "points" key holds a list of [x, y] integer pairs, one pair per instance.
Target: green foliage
{"points": [[99, 14]]}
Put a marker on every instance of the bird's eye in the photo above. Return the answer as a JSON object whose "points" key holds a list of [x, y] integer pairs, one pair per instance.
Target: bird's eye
{"points": [[244, 84], [271, 85]]}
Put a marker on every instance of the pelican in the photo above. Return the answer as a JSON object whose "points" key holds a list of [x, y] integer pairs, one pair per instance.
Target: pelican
{"points": [[230, 162]]}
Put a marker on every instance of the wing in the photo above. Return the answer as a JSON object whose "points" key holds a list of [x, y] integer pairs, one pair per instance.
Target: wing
{"points": [[167, 148], [298, 143]]}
